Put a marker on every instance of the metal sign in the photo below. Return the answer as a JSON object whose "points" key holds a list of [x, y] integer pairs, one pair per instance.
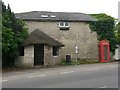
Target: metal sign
{"points": [[76, 49]]}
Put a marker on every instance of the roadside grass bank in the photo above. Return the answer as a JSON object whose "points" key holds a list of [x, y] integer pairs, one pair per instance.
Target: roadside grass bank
{"points": [[78, 62], [62, 63]]}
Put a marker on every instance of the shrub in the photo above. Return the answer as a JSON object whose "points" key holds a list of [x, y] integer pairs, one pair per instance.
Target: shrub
{"points": [[78, 62]]}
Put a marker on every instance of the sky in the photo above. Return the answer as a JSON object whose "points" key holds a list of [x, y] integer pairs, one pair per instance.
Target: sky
{"points": [[110, 7]]}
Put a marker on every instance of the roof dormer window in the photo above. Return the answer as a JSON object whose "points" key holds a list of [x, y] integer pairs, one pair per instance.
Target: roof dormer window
{"points": [[64, 25]]}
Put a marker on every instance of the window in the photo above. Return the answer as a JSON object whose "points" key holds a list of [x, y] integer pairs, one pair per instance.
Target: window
{"points": [[105, 52], [61, 24], [44, 16], [64, 25], [55, 51], [53, 16], [21, 51]]}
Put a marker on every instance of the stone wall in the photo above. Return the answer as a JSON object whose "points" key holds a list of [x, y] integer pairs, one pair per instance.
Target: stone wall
{"points": [[28, 58], [19, 61], [29, 55], [49, 59], [79, 34], [57, 59], [47, 55]]}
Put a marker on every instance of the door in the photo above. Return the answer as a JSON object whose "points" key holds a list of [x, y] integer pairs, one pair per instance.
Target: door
{"points": [[38, 54], [105, 52]]}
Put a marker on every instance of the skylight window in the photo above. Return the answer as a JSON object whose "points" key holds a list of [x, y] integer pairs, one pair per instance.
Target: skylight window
{"points": [[53, 16], [44, 16]]}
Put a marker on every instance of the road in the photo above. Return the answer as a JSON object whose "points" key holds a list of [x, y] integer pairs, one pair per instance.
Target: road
{"points": [[81, 76]]}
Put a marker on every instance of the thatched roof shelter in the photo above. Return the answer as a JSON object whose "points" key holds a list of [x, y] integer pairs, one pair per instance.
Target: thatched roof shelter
{"points": [[38, 37]]}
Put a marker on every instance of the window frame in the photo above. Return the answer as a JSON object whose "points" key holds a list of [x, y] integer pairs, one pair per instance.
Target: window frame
{"points": [[55, 51], [63, 25]]}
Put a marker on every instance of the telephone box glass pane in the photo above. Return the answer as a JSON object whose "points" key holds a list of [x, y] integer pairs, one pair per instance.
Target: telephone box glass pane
{"points": [[105, 53]]}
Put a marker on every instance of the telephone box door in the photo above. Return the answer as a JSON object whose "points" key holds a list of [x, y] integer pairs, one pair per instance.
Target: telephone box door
{"points": [[104, 51]]}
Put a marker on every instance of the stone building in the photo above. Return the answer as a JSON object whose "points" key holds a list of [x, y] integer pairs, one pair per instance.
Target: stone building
{"points": [[39, 49], [71, 29]]}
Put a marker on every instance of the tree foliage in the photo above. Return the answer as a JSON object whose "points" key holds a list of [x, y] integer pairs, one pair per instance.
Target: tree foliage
{"points": [[104, 27], [14, 31]]}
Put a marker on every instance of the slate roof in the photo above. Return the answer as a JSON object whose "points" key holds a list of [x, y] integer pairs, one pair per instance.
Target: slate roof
{"points": [[68, 16], [38, 37]]}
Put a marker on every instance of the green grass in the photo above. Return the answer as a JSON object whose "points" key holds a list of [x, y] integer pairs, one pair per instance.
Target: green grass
{"points": [[78, 62]]}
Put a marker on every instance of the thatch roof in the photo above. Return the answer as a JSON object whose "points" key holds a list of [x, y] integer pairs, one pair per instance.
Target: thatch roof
{"points": [[38, 37], [57, 16]]}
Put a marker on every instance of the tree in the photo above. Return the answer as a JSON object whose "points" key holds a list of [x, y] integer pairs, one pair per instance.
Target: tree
{"points": [[14, 32], [104, 26]]}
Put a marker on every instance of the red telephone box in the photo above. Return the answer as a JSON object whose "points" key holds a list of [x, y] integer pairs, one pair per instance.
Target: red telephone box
{"points": [[104, 51]]}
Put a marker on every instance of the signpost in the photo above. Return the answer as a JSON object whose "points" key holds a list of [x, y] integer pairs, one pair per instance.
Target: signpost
{"points": [[76, 47], [76, 51]]}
